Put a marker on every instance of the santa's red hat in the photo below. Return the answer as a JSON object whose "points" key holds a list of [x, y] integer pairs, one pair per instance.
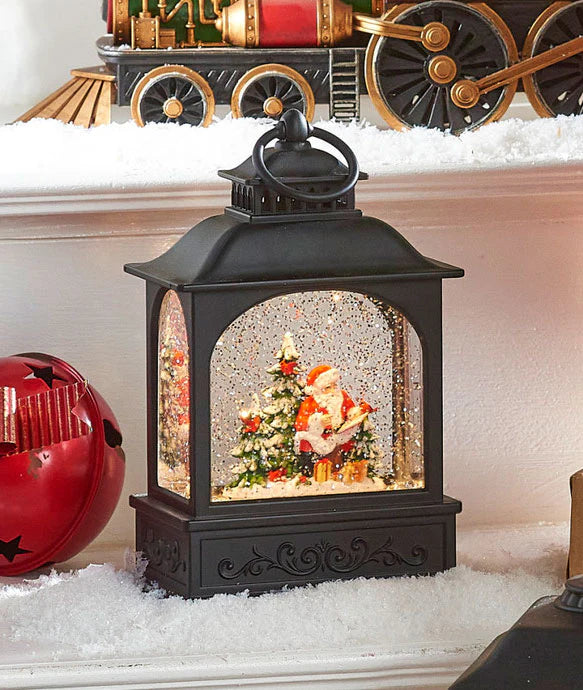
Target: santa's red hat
{"points": [[320, 377]]}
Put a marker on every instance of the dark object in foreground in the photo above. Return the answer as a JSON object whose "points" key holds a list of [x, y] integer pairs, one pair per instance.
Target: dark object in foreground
{"points": [[541, 651]]}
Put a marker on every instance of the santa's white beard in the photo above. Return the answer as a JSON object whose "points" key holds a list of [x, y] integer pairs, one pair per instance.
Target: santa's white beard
{"points": [[332, 402]]}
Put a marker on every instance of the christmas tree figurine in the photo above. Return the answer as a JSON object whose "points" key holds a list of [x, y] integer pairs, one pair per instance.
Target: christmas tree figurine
{"points": [[309, 437], [251, 449], [365, 455], [284, 398], [266, 446]]}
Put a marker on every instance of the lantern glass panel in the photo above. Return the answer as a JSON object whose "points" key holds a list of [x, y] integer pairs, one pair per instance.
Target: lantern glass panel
{"points": [[173, 398], [316, 393]]}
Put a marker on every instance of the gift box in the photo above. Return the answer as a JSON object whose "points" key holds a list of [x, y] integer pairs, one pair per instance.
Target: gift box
{"points": [[360, 470], [322, 470], [354, 471]]}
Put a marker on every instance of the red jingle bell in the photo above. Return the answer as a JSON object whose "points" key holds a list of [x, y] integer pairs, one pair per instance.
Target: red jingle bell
{"points": [[61, 462]]}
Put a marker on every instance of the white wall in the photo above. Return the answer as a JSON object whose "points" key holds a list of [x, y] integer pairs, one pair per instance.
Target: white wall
{"points": [[40, 42], [513, 355]]}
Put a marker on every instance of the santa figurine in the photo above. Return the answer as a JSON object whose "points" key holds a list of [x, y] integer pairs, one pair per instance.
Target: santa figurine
{"points": [[326, 423]]}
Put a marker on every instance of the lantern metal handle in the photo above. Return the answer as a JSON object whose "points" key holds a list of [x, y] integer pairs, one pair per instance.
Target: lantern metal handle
{"points": [[293, 127]]}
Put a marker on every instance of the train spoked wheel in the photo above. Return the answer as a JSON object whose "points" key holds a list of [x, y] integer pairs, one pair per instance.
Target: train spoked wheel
{"points": [[173, 93], [270, 90], [410, 86], [557, 89]]}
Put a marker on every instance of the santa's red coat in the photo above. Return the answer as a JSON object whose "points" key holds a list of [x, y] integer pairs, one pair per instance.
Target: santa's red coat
{"points": [[308, 407]]}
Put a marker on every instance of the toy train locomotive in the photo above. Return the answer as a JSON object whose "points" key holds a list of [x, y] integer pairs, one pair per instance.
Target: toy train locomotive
{"points": [[440, 63]]}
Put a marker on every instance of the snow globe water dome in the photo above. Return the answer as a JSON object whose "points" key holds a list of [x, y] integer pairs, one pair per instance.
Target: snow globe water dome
{"points": [[294, 377]]}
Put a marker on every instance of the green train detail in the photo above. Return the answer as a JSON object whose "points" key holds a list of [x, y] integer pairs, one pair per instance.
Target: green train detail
{"points": [[205, 33], [195, 23]]}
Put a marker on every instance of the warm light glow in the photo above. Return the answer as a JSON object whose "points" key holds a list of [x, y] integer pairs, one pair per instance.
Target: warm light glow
{"points": [[269, 351], [173, 398]]}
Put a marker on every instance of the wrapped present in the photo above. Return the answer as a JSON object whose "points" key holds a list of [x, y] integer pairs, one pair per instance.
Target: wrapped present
{"points": [[323, 470], [348, 473], [360, 470], [354, 471], [575, 563]]}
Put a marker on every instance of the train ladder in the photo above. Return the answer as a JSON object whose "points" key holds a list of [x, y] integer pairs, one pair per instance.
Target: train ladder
{"points": [[344, 84], [84, 100]]}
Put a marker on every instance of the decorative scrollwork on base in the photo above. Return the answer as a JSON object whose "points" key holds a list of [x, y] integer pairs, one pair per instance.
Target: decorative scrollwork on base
{"points": [[163, 554], [323, 557]]}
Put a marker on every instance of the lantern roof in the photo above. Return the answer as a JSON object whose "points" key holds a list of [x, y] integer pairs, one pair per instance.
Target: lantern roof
{"points": [[222, 250], [292, 218]]}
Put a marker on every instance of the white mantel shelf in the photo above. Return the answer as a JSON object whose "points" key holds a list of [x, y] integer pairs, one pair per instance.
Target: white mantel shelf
{"points": [[554, 192], [348, 671], [432, 666]]}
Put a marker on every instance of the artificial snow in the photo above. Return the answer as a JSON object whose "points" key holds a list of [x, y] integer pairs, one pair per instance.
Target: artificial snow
{"points": [[101, 612], [51, 156], [291, 489]]}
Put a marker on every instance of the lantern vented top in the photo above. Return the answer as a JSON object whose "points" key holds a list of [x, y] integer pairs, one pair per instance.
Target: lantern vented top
{"points": [[292, 178]]}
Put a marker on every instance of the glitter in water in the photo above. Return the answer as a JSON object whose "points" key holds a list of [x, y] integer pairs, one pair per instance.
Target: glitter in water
{"points": [[378, 355]]}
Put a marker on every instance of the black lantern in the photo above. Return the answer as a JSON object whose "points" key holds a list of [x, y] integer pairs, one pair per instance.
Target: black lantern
{"points": [[541, 651], [294, 387]]}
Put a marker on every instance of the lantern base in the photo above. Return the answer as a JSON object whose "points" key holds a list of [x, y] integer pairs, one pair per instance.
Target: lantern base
{"points": [[201, 558]]}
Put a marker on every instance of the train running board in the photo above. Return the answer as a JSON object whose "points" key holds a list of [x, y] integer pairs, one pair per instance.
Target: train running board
{"points": [[85, 100]]}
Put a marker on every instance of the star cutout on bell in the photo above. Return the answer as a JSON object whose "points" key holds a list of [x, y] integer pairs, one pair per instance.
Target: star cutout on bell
{"points": [[11, 549], [45, 374]]}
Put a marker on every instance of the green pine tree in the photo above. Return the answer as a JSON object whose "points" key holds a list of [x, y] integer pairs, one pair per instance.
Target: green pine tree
{"points": [[284, 398], [251, 450], [366, 447], [267, 435]]}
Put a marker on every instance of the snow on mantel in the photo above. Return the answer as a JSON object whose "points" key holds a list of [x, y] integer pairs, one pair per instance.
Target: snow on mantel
{"points": [[96, 628], [49, 167]]}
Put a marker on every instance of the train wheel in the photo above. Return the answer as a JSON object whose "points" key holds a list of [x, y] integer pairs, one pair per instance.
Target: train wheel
{"points": [[410, 86], [270, 90], [173, 93], [557, 89]]}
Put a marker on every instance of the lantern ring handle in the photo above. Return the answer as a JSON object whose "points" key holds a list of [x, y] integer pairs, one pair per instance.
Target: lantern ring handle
{"points": [[279, 132]]}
